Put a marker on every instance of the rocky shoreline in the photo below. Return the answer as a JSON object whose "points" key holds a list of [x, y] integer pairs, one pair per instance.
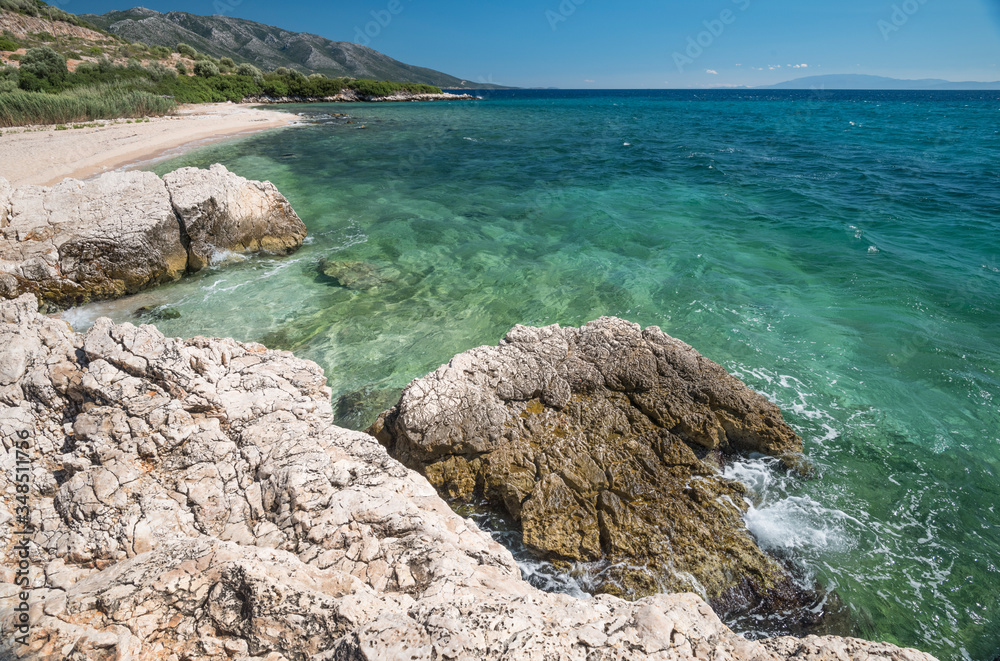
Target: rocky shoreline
{"points": [[122, 232], [193, 499]]}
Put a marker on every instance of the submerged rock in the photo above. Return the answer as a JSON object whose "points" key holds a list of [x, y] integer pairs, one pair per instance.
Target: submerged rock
{"points": [[193, 500], [158, 312], [591, 438], [357, 276], [123, 232]]}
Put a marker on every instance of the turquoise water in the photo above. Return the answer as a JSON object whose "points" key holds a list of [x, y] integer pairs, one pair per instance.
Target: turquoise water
{"points": [[840, 252]]}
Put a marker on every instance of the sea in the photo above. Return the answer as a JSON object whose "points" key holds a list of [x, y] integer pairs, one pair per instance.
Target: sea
{"points": [[838, 251]]}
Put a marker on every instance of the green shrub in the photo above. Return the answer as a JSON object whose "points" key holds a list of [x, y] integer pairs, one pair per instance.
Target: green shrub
{"points": [[134, 64], [95, 51], [250, 71], [45, 63], [43, 70], [157, 71], [274, 86], [105, 65], [186, 50], [182, 68], [8, 44], [234, 88], [205, 69], [8, 79], [160, 52], [227, 62], [186, 89], [204, 57]]}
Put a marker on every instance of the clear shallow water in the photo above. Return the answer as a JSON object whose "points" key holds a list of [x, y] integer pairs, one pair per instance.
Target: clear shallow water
{"points": [[839, 252]]}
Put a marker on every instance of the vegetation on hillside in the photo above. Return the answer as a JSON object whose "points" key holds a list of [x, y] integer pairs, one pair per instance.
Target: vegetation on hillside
{"points": [[150, 80], [40, 9]]}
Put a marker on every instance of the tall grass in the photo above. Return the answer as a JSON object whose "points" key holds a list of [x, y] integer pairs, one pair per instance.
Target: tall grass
{"points": [[108, 101]]}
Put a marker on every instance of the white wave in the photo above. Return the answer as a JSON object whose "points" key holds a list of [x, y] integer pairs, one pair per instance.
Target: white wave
{"points": [[221, 257], [799, 523], [794, 524], [81, 318]]}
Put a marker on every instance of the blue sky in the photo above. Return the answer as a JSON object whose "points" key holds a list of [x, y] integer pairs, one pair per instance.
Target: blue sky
{"points": [[643, 43]]}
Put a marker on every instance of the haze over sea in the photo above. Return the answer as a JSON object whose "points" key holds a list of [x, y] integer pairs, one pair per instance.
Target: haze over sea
{"points": [[838, 251]]}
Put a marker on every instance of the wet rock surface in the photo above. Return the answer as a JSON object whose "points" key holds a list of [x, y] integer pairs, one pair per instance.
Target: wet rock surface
{"points": [[600, 442], [123, 232], [193, 500]]}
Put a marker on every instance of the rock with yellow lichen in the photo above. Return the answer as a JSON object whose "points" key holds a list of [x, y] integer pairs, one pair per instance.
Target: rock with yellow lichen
{"points": [[602, 442]]}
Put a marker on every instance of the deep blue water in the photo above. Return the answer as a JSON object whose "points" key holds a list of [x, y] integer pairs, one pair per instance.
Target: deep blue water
{"points": [[839, 251]]}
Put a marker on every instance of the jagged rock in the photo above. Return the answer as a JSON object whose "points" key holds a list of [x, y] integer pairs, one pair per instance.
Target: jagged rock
{"points": [[123, 232], [222, 211], [590, 438], [192, 500]]}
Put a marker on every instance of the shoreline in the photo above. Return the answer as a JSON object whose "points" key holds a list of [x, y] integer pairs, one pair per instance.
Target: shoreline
{"points": [[45, 155]]}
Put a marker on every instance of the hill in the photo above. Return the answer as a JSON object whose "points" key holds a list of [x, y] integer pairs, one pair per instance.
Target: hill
{"points": [[266, 46], [865, 82]]}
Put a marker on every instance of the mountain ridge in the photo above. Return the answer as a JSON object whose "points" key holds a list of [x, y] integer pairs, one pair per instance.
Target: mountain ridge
{"points": [[267, 46], [868, 82]]}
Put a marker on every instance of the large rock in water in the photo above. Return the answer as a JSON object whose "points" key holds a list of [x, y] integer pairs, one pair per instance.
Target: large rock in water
{"points": [[598, 441], [221, 211], [125, 231], [192, 500]]}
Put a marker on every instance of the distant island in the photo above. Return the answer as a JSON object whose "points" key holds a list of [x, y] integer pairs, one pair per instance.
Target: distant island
{"points": [[865, 82]]}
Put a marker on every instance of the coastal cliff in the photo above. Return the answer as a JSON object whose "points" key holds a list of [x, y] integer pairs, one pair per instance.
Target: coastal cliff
{"points": [[122, 232], [193, 499]]}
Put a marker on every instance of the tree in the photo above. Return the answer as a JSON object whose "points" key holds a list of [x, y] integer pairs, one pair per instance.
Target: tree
{"points": [[46, 65], [205, 69], [251, 71]]}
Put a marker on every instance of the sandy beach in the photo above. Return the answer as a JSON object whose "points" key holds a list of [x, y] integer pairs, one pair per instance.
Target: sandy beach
{"points": [[44, 155]]}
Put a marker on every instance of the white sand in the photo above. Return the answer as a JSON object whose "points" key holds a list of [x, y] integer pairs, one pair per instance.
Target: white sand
{"points": [[43, 155]]}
